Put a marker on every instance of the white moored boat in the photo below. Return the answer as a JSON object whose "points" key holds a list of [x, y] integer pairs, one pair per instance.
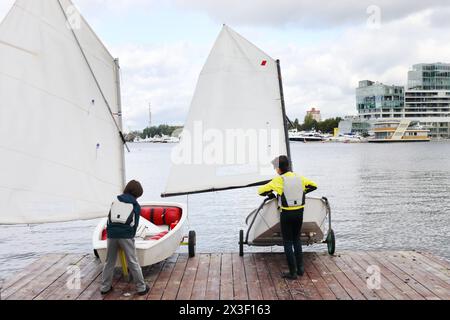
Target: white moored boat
{"points": [[162, 227]]}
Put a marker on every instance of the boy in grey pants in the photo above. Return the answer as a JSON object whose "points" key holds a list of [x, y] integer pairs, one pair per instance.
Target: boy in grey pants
{"points": [[121, 235]]}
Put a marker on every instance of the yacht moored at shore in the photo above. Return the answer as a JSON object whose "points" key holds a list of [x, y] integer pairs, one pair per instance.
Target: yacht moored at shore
{"points": [[305, 136]]}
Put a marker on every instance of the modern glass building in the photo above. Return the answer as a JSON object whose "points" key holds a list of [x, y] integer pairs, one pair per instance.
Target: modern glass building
{"points": [[427, 99], [429, 76], [376, 100]]}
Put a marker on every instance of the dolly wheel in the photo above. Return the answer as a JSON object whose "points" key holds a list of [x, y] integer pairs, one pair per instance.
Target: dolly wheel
{"points": [[241, 243], [96, 254], [331, 242], [192, 243]]}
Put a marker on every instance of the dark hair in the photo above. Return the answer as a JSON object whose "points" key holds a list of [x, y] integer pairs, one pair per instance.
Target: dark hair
{"points": [[134, 188], [283, 163]]}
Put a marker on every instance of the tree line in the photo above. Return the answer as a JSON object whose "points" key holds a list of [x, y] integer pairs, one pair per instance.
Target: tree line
{"points": [[309, 124], [151, 132]]}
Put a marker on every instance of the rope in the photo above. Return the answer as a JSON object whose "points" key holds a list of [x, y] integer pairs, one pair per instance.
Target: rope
{"points": [[95, 79]]}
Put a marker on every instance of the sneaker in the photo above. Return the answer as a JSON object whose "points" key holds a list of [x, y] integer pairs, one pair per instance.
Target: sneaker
{"points": [[107, 291], [289, 276], [143, 293]]}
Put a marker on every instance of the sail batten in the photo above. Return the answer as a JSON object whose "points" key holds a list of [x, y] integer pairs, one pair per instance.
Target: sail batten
{"points": [[62, 158], [235, 126]]}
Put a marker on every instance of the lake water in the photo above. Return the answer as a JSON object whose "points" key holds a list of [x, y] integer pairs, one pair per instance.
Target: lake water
{"points": [[392, 196]]}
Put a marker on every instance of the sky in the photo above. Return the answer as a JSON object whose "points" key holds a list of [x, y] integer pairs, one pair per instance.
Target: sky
{"points": [[325, 47]]}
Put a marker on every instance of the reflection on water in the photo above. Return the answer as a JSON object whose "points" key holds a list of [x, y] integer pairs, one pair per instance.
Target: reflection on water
{"points": [[393, 196]]}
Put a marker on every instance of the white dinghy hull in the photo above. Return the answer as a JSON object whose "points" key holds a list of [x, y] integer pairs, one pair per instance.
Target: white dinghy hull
{"points": [[149, 252], [264, 224]]}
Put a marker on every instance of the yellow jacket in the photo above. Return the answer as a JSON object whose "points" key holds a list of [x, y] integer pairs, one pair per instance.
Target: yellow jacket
{"points": [[276, 185]]}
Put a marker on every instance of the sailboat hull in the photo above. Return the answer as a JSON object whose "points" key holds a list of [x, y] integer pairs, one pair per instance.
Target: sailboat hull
{"points": [[149, 251], [264, 224]]}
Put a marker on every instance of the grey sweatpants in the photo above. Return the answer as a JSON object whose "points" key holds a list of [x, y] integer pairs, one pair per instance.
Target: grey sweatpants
{"points": [[129, 248]]}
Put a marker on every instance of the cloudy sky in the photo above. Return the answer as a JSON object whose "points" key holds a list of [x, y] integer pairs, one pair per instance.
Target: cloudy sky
{"points": [[325, 47]]}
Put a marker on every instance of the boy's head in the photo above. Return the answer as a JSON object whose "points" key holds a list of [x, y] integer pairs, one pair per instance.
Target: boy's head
{"points": [[281, 164], [134, 188]]}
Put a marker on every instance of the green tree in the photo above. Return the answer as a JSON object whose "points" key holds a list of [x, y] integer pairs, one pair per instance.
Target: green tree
{"points": [[309, 124]]}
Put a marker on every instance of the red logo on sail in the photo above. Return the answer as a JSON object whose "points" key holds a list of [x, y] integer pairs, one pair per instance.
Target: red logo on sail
{"points": [[264, 63]]}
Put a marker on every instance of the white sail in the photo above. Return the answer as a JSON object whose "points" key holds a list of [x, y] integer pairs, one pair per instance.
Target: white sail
{"points": [[61, 154], [236, 123]]}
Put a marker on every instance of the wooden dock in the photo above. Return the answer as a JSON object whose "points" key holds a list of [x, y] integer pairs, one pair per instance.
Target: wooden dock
{"points": [[403, 276]]}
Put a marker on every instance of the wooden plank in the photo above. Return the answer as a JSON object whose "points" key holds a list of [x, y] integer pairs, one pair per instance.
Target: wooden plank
{"points": [[436, 269], [239, 280], [173, 286], [311, 292], [432, 283], [45, 279], [266, 283], [281, 288], [443, 262], [151, 274], [296, 288], [251, 274], [120, 287], [65, 288], [389, 281], [418, 287], [187, 283], [360, 269], [314, 276], [161, 283], [213, 285], [329, 278], [201, 278], [346, 283], [28, 274], [92, 292], [226, 277], [352, 270]]}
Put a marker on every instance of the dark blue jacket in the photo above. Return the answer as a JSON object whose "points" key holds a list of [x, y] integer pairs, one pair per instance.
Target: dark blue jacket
{"points": [[123, 231]]}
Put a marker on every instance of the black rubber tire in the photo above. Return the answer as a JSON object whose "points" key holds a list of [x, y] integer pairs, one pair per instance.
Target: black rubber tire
{"points": [[96, 254], [192, 243], [241, 243], [331, 243]]}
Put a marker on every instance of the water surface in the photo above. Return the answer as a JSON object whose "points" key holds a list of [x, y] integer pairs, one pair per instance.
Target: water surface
{"points": [[392, 196]]}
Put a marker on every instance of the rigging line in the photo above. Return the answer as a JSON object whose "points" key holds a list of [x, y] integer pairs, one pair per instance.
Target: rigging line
{"points": [[290, 122], [95, 78]]}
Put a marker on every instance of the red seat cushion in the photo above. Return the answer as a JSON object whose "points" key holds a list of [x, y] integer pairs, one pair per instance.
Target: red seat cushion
{"points": [[145, 213], [161, 215], [159, 236], [173, 215], [174, 225], [104, 235]]}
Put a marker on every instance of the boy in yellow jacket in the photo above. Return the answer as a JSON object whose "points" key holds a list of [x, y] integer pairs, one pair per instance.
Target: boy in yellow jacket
{"points": [[291, 190]]}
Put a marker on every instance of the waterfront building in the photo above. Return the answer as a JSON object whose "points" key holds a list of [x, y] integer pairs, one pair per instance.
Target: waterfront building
{"points": [[355, 125], [399, 130], [378, 101], [427, 99], [314, 114]]}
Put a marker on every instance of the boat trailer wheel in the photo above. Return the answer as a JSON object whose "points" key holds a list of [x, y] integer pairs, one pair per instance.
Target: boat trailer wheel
{"points": [[192, 243], [241, 243], [331, 242]]}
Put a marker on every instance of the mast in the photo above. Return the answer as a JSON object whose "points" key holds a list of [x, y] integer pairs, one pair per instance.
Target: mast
{"points": [[150, 117], [119, 105], [283, 108]]}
